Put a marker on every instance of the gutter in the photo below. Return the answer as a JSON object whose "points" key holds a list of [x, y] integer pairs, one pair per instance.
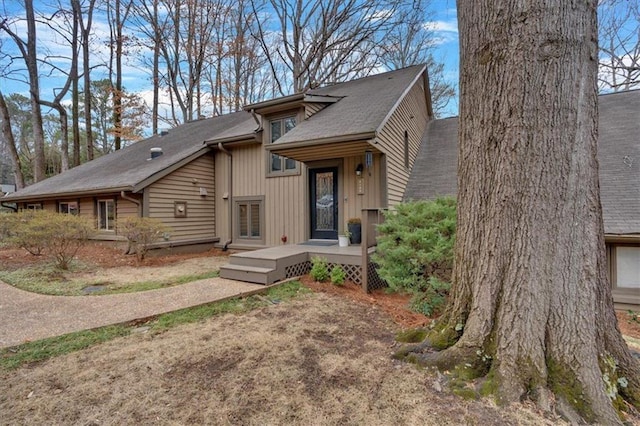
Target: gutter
{"points": [[230, 196], [15, 209], [73, 194], [334, 139], [133, 200]]}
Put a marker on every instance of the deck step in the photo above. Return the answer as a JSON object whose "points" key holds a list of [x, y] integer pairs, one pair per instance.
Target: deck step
{"points": [[251, 274]]}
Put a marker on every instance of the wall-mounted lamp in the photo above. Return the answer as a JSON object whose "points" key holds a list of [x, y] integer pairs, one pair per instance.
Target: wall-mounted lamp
{"points": [[359, 170], [368, 159]]}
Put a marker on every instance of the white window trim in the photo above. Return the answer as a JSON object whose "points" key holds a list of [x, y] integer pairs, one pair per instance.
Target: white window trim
{"points": [[110, 227]]}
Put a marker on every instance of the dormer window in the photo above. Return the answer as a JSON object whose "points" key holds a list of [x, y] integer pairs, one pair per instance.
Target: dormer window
{"points": [[278, 164]]}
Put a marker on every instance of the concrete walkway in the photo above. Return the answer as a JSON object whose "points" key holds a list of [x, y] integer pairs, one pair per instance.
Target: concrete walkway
{"points": [[26, 316]]}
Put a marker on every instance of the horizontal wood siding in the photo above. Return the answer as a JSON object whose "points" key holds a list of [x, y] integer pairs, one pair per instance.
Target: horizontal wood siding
{"points": [[312, 108], [87, 207], [411, 115], [180, 186]]}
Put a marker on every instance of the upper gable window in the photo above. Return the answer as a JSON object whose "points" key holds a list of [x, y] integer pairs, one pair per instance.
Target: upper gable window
{"points": [[277, 163]]}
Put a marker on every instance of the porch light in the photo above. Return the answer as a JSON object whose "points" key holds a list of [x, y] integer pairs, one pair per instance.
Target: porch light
{"points": [[368, 158], [359, 170]]}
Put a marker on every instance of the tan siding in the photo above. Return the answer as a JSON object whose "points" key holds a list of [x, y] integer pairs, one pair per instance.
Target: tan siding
{"points": [[411, 115], [312, 108], [285, 211], [249, 168], [354, 203], [51, 206], [222, 205], [125, 208], [184, 185], [87, 207]]}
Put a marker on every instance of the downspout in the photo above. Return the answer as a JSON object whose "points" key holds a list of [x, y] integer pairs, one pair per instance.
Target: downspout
{"points": [[230, 197], [15, 209], [257, 120], [133, 200]]}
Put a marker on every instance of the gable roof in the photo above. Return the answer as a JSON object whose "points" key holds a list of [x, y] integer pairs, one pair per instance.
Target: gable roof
{"points": [[435, 170], [130, 169], [363, 107]]}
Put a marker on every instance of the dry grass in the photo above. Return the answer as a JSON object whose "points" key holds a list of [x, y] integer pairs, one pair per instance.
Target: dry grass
{"points": [[319, 359]]}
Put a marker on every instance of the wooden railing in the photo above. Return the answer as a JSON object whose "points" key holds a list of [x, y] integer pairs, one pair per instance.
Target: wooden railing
{"points": [[370, 219]]}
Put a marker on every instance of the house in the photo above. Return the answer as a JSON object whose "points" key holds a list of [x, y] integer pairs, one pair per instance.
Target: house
{"points": [[281, 172], [435, 170]]}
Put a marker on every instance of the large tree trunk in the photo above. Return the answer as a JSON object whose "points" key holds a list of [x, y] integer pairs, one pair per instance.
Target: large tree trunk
{"points": [[7, 134], [530, 297]]}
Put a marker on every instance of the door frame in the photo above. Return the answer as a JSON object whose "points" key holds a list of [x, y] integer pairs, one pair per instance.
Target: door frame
{"points": [[322, 235]]}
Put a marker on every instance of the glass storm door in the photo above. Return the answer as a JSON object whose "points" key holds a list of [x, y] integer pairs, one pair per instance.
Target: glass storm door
{"points": [[323, 185]]}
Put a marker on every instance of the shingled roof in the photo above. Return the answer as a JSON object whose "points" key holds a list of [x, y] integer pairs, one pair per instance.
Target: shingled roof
{"points": [[363, 106], [435, 169], [130, 169]]}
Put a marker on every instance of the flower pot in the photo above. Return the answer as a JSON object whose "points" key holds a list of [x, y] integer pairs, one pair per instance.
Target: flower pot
{"points": [[355, 230], [343, 241]]}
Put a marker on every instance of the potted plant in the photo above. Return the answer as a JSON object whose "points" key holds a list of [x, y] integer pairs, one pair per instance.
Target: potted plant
{"points": [[343, 240], [355, 230]]}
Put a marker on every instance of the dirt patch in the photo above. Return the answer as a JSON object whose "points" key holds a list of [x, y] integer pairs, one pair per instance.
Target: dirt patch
{"points": [[106, 264], [320, 359]]}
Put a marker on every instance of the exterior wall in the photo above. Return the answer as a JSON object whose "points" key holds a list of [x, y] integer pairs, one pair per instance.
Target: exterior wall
{"points": [[284, 205], [370, 196], [312, 108], [411, 115], [183, 186]]}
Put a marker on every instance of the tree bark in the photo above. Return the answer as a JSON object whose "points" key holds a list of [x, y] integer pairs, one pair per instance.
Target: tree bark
{"points": [[7, 134], [530, 292]]}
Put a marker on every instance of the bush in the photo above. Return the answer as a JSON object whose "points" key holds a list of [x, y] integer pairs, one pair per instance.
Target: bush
{"points": [[7, 227], [415, 251], [70, 234], [319, 269], [140, 233], [338, 275], [59, 235]]}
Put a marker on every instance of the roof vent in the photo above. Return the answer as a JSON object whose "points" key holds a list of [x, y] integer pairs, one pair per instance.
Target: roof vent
{"points": [[155, 152], [164, 132]]}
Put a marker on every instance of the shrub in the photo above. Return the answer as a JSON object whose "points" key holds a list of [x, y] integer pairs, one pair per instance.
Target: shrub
{"points": [[31, 231], [140, 233], [319, 269], [338, 275], [7, 227], [415, 250], [59, 235], [70, 234]]}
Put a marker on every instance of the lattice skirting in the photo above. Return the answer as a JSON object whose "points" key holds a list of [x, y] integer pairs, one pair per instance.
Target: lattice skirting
{"points": [[352, 272]]}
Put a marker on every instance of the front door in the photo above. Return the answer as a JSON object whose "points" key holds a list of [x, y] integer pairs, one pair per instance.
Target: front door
{"points": [[323, 188]]}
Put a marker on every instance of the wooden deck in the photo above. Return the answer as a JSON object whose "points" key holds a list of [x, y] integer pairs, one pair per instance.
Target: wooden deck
{"points": [[270, 265]]}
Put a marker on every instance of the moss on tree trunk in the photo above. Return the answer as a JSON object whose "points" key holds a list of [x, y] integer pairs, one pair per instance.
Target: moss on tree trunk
{"points": [[530, 290]]}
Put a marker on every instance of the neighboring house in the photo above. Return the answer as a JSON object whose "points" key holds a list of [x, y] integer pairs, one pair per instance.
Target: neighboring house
{"points": [[283, 171], [435, 174]]}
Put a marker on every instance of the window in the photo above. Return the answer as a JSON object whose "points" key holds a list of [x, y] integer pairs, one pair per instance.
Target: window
{"points": [[68, 207], [627, 267], [106, 215], [277, 163], [249, 216], [34, 206]]}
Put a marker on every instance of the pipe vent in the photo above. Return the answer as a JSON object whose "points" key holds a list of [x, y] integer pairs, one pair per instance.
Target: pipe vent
{"points": [[155, 152]]}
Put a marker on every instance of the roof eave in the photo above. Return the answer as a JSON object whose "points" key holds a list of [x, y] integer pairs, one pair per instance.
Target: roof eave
{"points": [[69, 194], [248, 138], [320, 141], [276, 103]]}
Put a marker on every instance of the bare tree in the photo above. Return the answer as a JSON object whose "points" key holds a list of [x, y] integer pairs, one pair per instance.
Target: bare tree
{"points": [[411, 42], [619, 34], [322, 41], [28, 52], [7, 136], [117, 15], [531, 307], [85, 41]]}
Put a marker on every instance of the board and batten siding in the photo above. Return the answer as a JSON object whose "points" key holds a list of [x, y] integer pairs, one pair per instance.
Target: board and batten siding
{"points": [[370, 198], [284, 196], [412, 116], [183, 185]]}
